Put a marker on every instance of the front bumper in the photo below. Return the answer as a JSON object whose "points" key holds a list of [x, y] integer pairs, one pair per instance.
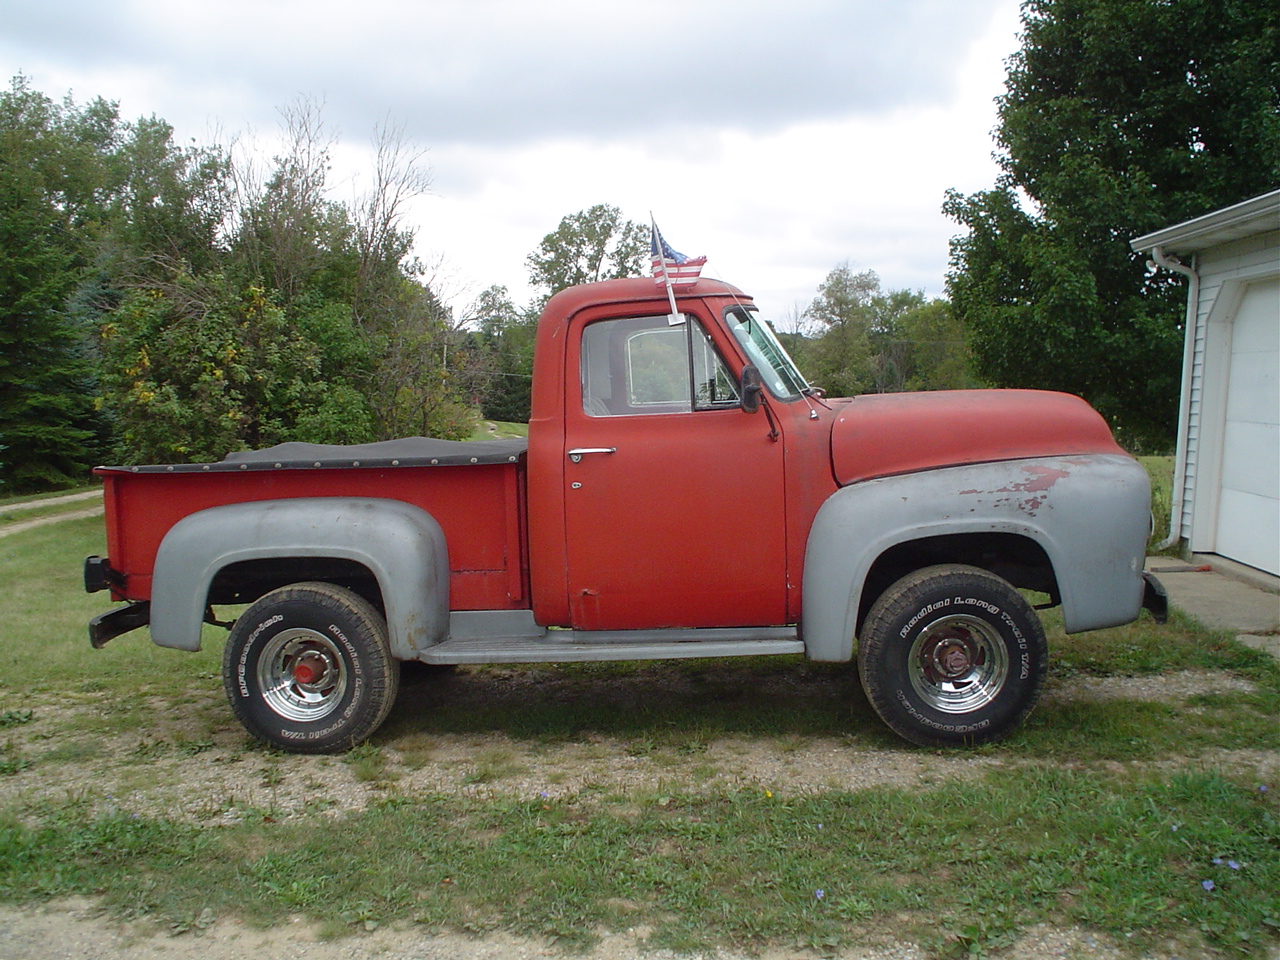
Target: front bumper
{"points": [[1154, 598]]}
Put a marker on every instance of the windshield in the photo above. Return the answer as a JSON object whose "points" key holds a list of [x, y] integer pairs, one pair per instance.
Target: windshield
{"points": [[761, 345]]}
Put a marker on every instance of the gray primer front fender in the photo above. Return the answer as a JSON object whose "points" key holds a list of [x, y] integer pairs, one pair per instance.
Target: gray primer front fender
{"points": [[1090, 514], [402, 545]]}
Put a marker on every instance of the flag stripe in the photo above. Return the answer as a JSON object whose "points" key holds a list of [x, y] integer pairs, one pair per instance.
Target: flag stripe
{"points": [[686, 272], [672, 266]]}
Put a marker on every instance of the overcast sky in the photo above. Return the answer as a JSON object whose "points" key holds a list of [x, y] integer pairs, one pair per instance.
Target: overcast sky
{"points": [[779, 139]]}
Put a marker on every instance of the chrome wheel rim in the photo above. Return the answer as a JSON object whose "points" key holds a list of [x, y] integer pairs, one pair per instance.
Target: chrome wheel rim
{"points": [[301, 675], [958, 664]]}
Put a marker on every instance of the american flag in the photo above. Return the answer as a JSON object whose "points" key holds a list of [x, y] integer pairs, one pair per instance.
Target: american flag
{"points": [[672, 265]]}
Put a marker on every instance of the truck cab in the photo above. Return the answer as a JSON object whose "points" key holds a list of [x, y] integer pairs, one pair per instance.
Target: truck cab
{"points": [[655, 500]]}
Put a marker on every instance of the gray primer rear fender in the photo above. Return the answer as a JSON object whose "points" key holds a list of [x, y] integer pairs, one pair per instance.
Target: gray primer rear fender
{"points": [[1090, 514], [402, 545]]}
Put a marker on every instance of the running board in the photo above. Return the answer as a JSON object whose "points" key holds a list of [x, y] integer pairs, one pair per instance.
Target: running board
{"points": [[490, 638]]}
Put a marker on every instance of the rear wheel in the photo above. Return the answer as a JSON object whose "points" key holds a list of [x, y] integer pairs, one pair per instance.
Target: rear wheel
{"points": [[308, 668], [952, 654]]}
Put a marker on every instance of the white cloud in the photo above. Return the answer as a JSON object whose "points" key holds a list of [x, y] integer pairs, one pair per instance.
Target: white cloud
{"points": [[774, 211], [778, 139], [509, 71]]}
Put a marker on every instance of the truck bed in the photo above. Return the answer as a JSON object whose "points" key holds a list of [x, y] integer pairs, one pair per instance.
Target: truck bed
{"points": [[474, 490]]}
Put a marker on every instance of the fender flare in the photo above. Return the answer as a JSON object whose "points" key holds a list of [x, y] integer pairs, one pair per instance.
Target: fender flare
{"points": [[401, 545], [1089, 514]]}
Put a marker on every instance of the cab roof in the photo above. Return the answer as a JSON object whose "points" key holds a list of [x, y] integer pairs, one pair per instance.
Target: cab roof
{"points": [[633, 290]]}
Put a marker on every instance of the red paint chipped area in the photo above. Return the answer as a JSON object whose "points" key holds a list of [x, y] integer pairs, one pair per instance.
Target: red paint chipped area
{"points": [[1045, 478]]}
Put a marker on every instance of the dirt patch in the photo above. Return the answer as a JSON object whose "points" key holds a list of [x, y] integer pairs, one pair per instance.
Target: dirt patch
{"points": [[74, 930], [58, 501], [17, 526], [182, 770], [198, 765], [1174, 687]]}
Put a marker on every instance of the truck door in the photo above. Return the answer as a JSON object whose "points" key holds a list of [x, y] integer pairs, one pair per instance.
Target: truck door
{"points": [[674, 511]]}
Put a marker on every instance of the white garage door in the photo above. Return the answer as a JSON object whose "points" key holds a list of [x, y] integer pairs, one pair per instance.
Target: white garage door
{"points": [[1249, 509]]}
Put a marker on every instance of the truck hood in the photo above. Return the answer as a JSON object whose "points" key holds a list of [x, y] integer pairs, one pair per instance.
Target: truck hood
{"points": [[884, 434]]}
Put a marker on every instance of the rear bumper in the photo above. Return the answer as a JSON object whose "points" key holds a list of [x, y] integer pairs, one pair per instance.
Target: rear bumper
{"points": [[107, 626]]}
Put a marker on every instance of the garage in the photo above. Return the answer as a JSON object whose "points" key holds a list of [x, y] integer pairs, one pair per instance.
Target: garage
{"points": [[1227, 468]]}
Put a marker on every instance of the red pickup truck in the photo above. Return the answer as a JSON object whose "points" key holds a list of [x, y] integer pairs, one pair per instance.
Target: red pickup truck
{"points": [[683, 492]]}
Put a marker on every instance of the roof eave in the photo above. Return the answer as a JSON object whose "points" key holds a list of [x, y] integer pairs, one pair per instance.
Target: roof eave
{"points": [[1251, 217]]}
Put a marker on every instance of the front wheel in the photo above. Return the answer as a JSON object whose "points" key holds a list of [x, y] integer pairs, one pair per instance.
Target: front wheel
{"points": [[308, 669], [952, 655]]}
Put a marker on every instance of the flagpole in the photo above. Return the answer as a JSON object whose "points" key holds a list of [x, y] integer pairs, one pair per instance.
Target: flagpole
{"points": [[655, 242]]}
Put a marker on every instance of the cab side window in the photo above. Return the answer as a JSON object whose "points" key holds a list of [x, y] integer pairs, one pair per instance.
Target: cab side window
{"points": [[646, 365]]}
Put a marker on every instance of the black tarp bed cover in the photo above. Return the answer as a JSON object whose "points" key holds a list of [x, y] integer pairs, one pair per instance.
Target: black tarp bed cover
{"points": [[405, 452]]}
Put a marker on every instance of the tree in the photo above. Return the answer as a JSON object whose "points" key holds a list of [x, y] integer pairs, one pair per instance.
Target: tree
{"points": [[286, 232], [382, 241], [428, 374], [594, 244], [894, 353], [194, 369], [839, 358], [940, 357], [1119, 117], [871, 340], [303, 319], [591, 245], [168, 204], [50, 169], [173, 297], [507, 335]]}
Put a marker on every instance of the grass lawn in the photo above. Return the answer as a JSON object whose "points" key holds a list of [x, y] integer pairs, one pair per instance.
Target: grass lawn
{"points": [[1146, 819], [1160, 470], [499, 430]]}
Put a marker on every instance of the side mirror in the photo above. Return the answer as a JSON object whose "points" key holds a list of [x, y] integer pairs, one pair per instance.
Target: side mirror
{"points": [[752, 388]]}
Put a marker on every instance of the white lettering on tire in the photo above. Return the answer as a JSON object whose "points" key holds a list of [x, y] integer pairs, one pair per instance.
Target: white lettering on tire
{"points": [[931, 608], [242, 665]]}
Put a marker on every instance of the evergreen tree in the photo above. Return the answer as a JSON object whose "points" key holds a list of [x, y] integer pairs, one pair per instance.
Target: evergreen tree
{"points": [[49, 168]]}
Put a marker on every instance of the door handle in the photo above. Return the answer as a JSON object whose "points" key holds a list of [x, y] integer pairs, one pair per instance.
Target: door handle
{"points": [[577, 453]]}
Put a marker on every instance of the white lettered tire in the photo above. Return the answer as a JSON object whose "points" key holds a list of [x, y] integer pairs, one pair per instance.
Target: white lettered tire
{"points": [[952, 654], [308, 669]]}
